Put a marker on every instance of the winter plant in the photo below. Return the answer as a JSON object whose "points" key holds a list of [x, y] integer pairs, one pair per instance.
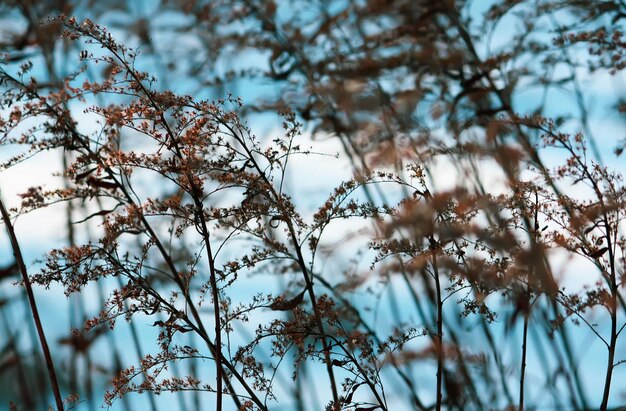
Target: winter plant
{"points": [[177, 208]]}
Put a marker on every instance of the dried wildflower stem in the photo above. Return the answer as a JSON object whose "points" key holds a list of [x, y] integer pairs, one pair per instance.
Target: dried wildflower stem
{"points": [[612, 283], [535, 159], [609, 277], [117, 360], [484, 325], [33, 306], [138, 350], [198, 326], [574, 382], [318, 318], [215, 297], [436, 339], [197, 198], [439, 339], [216, 350], [524, 350], [300, 260], [527, 303], [199, 329], [133, 333], [371, 332], [371, 384], [613, 312]]}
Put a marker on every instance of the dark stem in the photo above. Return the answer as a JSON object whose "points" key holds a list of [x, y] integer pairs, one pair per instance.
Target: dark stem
{"points": [[199, 328], [439, 339], [613, 308], [300, 260], [381, 403], [370, 331], [216, 301], [197, 197], [33, 306], [138, 351], [201, 332], [524, 349], [612, 346], [534, 233]]}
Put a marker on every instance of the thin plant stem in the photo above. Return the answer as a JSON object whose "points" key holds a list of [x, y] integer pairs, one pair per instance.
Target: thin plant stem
{"points": [[33, 306], [138, 350], [439, 340], [117, 361], [612, 347], [299, 259], [524, 350]]}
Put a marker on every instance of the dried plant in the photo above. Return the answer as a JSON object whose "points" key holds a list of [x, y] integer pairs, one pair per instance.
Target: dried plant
{"points": [[187, 208]]}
